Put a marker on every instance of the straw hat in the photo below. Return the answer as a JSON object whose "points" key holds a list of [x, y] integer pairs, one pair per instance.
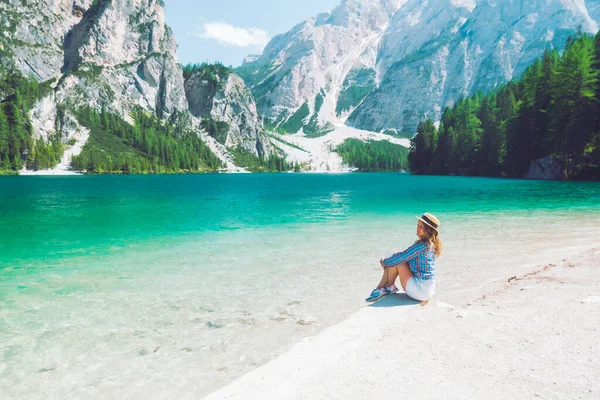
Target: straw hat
{"points": [[430, 220]]}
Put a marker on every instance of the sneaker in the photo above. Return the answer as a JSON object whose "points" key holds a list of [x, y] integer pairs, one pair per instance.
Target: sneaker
{"points": [[376, 294], [391, 289]]}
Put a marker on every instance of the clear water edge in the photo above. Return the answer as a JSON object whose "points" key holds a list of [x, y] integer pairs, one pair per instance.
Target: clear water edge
{"points": [[133, 286]]}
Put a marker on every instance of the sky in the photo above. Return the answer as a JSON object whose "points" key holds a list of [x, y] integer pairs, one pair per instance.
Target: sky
{"points": [[228, 30]]}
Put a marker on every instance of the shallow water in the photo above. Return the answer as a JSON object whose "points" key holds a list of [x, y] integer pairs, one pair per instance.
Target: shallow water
{"points": [[136, 286]]}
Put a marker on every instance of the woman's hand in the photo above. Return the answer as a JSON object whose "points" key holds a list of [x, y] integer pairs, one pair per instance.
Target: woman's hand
{"points": [[381, 263]]}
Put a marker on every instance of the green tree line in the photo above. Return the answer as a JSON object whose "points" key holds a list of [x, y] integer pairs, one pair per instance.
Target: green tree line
{"points": [[212, 72], [148, 146], [373, 155], [552, 110], [216, 129], [245, 159], [17, 145]]}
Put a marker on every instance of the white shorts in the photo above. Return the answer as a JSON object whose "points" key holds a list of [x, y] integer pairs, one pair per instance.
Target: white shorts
{"points": [[419, 289]]}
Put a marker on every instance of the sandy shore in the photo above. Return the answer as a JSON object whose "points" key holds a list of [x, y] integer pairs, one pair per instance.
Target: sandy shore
{"points": [[536, 335]]}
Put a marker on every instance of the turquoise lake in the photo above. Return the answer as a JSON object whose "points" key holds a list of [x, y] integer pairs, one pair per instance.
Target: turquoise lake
{"points": [[130, 286]]}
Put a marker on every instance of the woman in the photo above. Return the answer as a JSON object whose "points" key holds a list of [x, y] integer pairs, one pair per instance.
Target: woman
{"points": [[415, 266]]}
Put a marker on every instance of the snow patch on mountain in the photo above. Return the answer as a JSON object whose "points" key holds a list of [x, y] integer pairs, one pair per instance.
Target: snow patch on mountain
{"points": [[318, 155]]}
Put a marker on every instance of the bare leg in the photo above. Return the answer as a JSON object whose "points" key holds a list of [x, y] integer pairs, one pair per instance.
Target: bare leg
{"points": [[392, 275], [403, 271], [384, 278]]}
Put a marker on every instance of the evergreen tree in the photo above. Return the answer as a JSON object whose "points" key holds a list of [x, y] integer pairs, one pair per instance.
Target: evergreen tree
{"points": [[520, 133], [420, 156], [148, 146], [571, 127], [543, 101], [373, 155], [467, 128], [552, 110], [4, 133], [489, 157]]}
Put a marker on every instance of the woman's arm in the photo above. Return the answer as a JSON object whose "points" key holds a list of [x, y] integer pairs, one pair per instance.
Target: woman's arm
{"points": [[403, 256]]}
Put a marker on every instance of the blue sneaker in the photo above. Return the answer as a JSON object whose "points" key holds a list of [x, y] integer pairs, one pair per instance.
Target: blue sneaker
{"points": [[376, 294], [391, 289]]}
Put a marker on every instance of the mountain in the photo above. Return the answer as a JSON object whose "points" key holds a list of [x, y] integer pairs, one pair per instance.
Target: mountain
{"points": [[375, 65], [389, 64], [101, 53], [111, 55], [227, 108]]}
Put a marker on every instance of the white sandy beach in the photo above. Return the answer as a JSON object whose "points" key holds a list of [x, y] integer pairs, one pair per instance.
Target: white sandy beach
{"points": [[534, 335]]}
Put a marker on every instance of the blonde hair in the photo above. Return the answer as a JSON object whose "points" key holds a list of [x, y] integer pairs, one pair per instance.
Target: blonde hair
{"points": [[432, 237]]}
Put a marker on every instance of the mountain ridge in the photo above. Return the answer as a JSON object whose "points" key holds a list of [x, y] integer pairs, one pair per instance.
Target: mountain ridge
{"points": [[414, 57], [111, 55]]}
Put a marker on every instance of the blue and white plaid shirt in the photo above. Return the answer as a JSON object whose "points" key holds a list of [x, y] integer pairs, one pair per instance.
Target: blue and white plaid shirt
{"points": [[420, 258]]}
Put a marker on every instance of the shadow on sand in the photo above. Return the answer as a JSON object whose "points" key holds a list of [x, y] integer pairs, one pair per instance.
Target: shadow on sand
{"points": [[395, 300]]}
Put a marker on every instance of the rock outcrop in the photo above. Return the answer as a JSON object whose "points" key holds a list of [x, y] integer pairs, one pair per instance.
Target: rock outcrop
{"points": [[546, 168], [225, 100], [106, 53]]}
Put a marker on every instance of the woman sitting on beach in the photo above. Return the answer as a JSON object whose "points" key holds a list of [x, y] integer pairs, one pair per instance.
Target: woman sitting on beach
{"points": [[415, 266]]}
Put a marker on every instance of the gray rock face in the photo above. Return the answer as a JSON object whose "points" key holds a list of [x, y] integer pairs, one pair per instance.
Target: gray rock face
{"points": [[424, 55], [227, 99], [33, 33], [125, 52], [115, 54], [459, 49], [309, 64], [545, 168]]}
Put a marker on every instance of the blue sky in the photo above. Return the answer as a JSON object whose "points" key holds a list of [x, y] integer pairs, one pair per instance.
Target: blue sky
{"points": [[228, 30]]}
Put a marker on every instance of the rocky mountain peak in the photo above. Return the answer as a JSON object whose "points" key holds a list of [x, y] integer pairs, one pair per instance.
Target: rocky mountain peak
{"points": [[114, 55], [370, 14], [388, 64], [226, 106]]}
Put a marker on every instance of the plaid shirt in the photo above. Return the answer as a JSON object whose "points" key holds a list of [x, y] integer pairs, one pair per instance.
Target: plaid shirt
{"points": [[420, 258]]}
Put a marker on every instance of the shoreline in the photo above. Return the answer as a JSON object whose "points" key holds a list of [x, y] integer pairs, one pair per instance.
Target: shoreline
{"points": [[61, 172], [79, 173], [318, 157], [534, 334], [172, 337]]}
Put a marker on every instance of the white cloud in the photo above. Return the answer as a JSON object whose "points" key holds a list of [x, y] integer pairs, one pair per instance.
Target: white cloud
{"points": [[234, 36]]}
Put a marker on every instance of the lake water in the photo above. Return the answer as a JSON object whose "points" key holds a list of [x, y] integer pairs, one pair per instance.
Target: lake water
{"points": [[172, 286]]}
